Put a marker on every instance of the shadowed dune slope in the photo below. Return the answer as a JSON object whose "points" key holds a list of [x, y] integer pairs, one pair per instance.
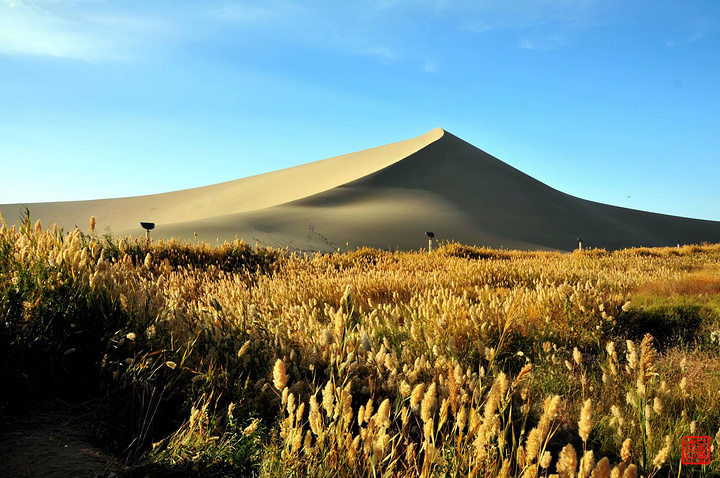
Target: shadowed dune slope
{"points": [[386, 197], [510, 207]]}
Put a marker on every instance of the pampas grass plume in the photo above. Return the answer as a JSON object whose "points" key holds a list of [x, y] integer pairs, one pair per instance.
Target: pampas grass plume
{"points": [[602, 470], [546, 460], [585, 423], [382, 418], [626, 450], [567, 462], [631, 354], [533, 444], [461, 420], [328, 401], [577, 356], [417, 395], [369, 409], [428, 402], [280, 377], [587, 463], [663, 454]]}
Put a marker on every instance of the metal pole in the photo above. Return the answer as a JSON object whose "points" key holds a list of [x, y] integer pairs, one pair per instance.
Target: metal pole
{"points": [[430, 236], [147, 226]]}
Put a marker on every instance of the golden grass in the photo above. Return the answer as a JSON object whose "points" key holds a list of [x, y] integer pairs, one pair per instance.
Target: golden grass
{"points": [[460, 362]]}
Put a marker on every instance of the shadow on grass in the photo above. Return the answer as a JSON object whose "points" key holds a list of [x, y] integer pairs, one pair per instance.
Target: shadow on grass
{"points": [[676, 325]]}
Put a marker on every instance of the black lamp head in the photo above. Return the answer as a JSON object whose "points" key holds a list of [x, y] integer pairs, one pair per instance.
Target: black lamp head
{"points": [[148, 226], [430, 234]]}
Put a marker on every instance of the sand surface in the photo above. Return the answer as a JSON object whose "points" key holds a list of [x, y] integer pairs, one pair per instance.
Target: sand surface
{"points": [[384, 197]]}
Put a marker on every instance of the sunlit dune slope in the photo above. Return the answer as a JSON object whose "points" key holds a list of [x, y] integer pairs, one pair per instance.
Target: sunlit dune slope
{"points": [[385, 197]]}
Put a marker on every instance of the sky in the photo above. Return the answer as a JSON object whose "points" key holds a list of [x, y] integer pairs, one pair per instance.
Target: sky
{"points": [[615, 101]]}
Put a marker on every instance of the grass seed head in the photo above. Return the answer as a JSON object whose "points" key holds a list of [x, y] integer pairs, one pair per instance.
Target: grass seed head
{"points": [[417, 395], [585, 423], [382, 418], [250, 429], [369, 409], [657, 405], [567, 462], [461, 420], [533, 444], [280, 377], [626, 450], [630, 472], [546, 460], [428, 402], [663, 453], [631, 355], [577, 356], [602, 470], [587, 463], [307, 444], [328, 401]]}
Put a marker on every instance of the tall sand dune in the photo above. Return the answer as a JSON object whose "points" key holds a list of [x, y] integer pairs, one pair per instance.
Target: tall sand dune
{"points": [[385, 197]]}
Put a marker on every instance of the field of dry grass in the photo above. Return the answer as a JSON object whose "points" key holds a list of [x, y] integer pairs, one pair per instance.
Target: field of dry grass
{"points": [[237, 360]]}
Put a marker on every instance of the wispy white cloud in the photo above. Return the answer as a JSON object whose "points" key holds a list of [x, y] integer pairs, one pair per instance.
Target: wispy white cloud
{"points": [[506, 14], [249, 12], [108, 30], [430, 67], [475, 26], [384, 54], [541, 24], [700, 30], [527, 44], [102, 30], [74, 29], [435, 6], [543, 42]]}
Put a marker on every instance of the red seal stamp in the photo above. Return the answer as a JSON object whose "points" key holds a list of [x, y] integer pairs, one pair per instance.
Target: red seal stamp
{"points": [[695, 450]]}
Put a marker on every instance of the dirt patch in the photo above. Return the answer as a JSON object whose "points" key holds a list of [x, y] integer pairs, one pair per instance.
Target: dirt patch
{"points": [[53, 440]]}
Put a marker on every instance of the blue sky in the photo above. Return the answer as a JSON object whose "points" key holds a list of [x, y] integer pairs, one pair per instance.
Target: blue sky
{"points": [[602, 99]]}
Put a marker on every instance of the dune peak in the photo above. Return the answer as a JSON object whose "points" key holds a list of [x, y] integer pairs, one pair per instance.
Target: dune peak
{"points": [[385, 197]]}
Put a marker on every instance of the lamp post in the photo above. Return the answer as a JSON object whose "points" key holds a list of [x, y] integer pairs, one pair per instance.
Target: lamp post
{"points": [[579, 243], [430, 236], [148, 226]]}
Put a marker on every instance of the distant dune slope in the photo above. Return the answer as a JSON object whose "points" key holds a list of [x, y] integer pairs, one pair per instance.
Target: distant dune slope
{"points": [[385, 197]]}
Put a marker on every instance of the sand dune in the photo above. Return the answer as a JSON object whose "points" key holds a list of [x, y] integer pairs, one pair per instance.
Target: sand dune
{"points": [[384, 197]]}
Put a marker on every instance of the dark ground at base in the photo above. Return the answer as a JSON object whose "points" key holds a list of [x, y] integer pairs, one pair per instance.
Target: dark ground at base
{"points": [[53, 439]]}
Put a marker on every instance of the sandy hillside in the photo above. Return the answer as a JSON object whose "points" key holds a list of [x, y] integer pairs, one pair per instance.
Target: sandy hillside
{"points": [[383, 197]]}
